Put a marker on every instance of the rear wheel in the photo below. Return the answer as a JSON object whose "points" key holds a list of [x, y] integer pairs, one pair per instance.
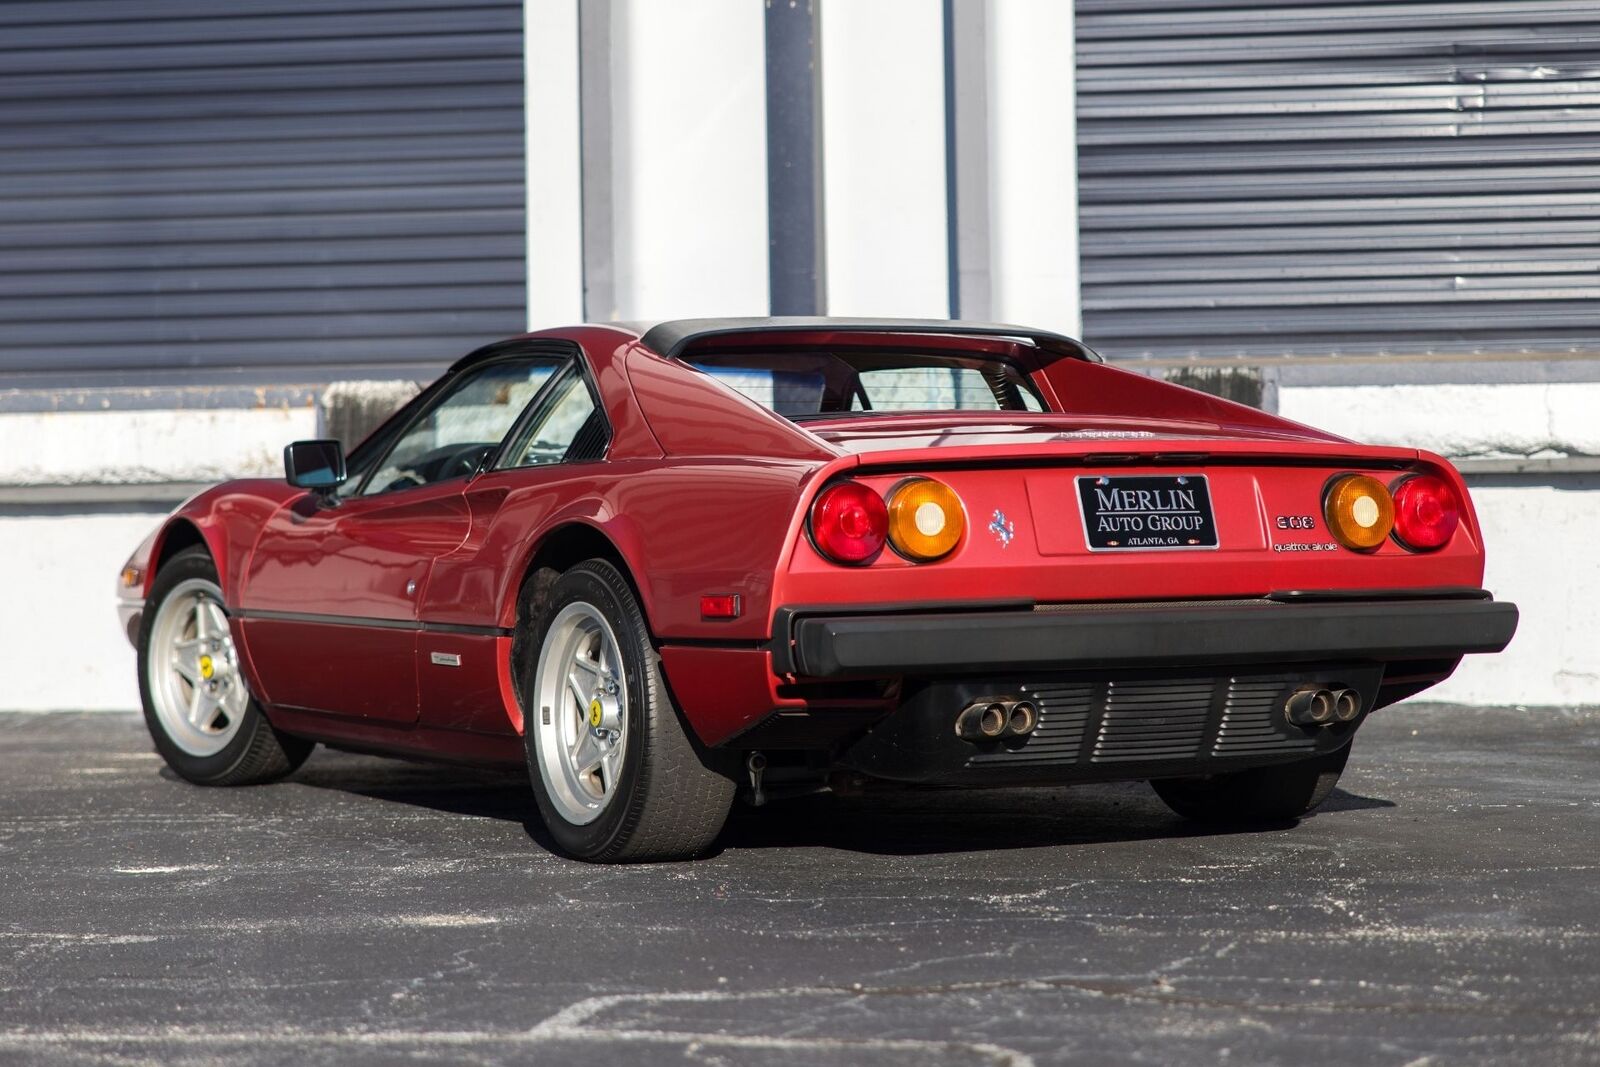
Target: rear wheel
{"points": [[1263, 794], [614, 772], [200, 713]]}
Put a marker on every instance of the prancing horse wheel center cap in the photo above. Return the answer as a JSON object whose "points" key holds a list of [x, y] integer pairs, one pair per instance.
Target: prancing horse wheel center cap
{"points": [[605, 714]]}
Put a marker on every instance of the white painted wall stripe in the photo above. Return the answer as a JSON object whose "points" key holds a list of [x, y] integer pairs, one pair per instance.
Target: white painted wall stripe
{"points": [[554, 172], [1033, 165], [689, 158], [61, 580], [1457, 419], [133, 447], [1543, 556], [884, 158]]}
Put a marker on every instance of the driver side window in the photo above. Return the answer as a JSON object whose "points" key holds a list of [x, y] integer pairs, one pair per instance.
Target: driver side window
{"points": [[463, 427]]}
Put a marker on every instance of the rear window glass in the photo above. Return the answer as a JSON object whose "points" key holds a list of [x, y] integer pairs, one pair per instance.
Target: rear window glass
{"points": [[809, 384]]}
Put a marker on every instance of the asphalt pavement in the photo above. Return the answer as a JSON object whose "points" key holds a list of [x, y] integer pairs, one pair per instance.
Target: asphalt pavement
{"points": [[1442, 908]]}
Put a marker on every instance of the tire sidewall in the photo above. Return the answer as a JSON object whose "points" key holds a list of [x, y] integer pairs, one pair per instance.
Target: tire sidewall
{"points": [[584, 583], [188, 564]]}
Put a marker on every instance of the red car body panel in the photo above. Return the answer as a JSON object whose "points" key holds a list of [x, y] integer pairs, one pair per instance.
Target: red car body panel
{"points": [[339, 612]]}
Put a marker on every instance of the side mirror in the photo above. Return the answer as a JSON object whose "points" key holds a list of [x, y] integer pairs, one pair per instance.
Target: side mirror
{"points": [[314, 465]]}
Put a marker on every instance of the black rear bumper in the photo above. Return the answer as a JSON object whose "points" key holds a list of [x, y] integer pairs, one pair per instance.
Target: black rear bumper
{"points": [[1289, 628]]}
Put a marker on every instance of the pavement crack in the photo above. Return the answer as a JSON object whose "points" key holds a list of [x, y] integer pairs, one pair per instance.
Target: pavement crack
{"points": [[580, 1021]]}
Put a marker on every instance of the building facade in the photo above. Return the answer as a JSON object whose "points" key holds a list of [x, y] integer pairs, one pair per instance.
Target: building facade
{"points": [[1377, 218]]}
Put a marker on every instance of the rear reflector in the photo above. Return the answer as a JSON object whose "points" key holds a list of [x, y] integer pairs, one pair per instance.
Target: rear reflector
{"points": [[720, 606]]}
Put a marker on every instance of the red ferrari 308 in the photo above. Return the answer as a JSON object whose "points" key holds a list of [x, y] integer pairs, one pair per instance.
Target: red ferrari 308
{"points": [[661, 566]]}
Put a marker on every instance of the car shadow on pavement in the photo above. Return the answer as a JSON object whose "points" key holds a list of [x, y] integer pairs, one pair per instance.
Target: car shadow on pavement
{"points": [[919, 823], [472, 793], [891, 822], [916, 823], [1339, 800]]}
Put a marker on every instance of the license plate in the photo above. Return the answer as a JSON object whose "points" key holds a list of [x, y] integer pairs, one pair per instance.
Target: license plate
{"points": [[1131, 513]]}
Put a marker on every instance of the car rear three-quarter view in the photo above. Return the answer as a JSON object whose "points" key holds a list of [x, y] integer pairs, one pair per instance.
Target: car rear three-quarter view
{"points": [[667, 566]]}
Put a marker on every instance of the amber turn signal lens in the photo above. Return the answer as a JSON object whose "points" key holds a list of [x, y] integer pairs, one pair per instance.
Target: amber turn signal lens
{"points": [[926, 519], [1360, 511]]}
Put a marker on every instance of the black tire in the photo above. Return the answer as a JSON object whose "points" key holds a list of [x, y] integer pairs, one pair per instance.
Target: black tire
{"points": [[1262, 795], [668, 804], [257, 752]]}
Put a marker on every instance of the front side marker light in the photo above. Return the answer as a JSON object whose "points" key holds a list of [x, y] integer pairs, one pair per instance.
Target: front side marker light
{"points": [[1359, 511], [926, 519]]}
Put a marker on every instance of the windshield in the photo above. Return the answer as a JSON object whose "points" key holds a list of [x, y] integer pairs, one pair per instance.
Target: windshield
{"points": [[811, 383]]}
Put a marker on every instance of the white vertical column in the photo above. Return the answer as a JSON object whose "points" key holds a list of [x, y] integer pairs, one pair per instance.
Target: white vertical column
{"points": [[554, 180], [1033, 164], [883, 121], [689, 159]]}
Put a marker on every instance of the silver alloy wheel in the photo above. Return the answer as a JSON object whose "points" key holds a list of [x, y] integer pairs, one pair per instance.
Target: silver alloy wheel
{"points": [[195, 684], [580, 713]]}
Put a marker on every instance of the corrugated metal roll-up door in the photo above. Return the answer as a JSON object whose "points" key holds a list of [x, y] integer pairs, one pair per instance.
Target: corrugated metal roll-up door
{"points": [[1295, 178], [257, 183]]}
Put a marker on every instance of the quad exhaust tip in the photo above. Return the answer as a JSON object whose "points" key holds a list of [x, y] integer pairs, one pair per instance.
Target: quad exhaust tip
{"points": [[997, 718], [1023, 719], [1315, 705], [1346, 705]]}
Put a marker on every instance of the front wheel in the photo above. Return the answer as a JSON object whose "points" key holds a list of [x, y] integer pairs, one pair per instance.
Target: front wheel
{"points": [[614, 772], [1260, 795], [200, 713]]}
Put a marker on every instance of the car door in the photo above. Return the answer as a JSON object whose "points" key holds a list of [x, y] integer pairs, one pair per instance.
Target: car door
{"points": [[329, 607], [563, 436]]}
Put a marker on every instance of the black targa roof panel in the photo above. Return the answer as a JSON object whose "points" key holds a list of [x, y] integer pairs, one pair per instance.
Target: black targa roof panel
{"points": [[672, 337]]}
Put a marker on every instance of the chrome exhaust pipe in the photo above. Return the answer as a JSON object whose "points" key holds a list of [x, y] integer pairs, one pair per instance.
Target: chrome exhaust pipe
{"points": [[1346, 705], [755, 764], [997, 718], [992, 723], [983, 720], [1023, 719], [1311, 706]]}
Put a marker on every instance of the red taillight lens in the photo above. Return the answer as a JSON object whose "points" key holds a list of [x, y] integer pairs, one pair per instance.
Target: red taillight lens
{"points": [[1426, 512], [849, 523]]}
